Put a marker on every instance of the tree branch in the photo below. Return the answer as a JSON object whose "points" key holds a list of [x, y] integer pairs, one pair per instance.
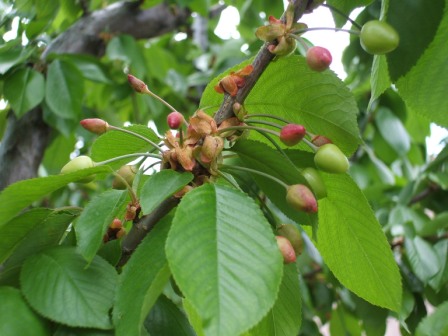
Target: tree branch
{"points": [[260, 63]]}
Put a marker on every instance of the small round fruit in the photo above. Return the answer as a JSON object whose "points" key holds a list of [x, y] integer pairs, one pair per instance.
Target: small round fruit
{"points": [[79, 163], [315, 181], [330, 159], [174, 120], [127, 172], [301, 198], [379, 37], [292, 134], [318, 58], [286, 249], [292, 233]]}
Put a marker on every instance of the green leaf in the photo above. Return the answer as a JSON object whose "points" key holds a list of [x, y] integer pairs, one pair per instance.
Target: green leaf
{"points": [[435, 324], [29, 234], [24, 89], [96, 218], [318, 100], [116, 143], [419, 88], [373, 317], [423, 258], [16, 317], [160, 186], [90, 67], [346, 7], [344, 323], [58, 285], [64, 89], [142, 281], [126, 49], [21, 194], [11, 55], [286, 316], [379, 80], [393, 131], [439, 280], [17, 229], [58, 153], [165, 318], [218, 244], [417, 25], [193, 317], [353, 245], [260, 157]]}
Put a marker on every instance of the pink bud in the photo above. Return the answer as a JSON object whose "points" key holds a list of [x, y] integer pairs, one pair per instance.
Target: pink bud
{"points": [[137, 84], [301, 198], [318, 58], [174, 120], [95, 125], [292, 134], [286, 249]]}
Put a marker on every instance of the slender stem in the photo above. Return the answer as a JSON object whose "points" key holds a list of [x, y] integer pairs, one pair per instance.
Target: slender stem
{"points": [[149, 92], [278, 147], [124, 130], [225, 177], [128, 187], [157, 156], [334, 9], [310, 144], [301, 31], [67, 208], [263, 115], [264, 123], [303, 43], [250, 170], [259, 129]]}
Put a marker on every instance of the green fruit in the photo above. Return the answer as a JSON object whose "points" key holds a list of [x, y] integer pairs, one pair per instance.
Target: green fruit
{"points": [[79, 163], [127, 172], [315, 181], [292, 233], [330, 159], [379, 37]]}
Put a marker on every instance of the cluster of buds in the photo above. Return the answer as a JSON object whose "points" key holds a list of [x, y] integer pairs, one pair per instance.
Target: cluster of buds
{"points": [[234, 81], [278, 33], [290, 242], [114, 231]]}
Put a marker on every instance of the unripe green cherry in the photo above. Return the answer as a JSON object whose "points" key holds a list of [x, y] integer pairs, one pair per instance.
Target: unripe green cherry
{"points": [[127, 172], [79, 163], [378, 37], [315, 181], [292, 233], [330, 159]]}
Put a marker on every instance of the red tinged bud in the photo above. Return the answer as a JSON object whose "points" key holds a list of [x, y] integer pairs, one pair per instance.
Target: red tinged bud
{"points": [[286, 249], [301, 198], [175, 120], [95, 125], [318, 58], [292, 233], [137, 84], [292, 134], [116, 224]]}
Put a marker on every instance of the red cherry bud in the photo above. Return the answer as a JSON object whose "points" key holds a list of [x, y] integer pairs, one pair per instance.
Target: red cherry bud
{"points": [[318, 58], [292, 134], [175, 120], [137, 84], [95, 125], [286, 249], [301, 198], [116, 224]]}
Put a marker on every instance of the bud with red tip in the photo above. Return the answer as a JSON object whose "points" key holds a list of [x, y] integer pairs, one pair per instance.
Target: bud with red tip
{"points": [[292, 134], [116, 224], [95, 125], [286, 249], [175, 120], [301, 198], [292, 233], [137, 84], [318, 58]]}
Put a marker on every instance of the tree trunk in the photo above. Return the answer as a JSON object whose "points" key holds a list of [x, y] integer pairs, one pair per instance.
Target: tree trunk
{"points": [[25, 139]]}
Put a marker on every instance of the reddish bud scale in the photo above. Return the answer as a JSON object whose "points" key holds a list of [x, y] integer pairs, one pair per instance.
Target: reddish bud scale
{"points": [[175, 120], [137, 84], [116, 224], [320, 140], [286, 249], [318, 58], [95, 125], [292, 134]]}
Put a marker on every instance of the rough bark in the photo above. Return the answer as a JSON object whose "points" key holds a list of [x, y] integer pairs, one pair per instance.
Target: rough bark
{"points": [[23, 146]]}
